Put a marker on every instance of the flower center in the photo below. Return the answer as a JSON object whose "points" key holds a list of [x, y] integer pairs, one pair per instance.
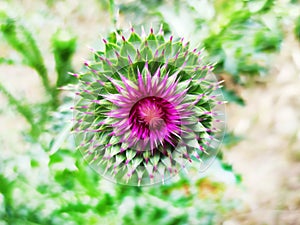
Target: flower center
{"points": [[150, 112], [155, 118]]}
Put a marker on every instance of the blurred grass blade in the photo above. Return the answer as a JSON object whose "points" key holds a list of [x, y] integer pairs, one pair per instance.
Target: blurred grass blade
{"points": [[22, 109]]}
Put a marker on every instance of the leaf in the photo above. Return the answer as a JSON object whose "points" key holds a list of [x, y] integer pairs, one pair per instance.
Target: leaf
{"points": [[297, 28], [64, 46], [6, 189], [105, 204], [260, 5], [231, 96], [267, 41], [59, 156], [65, 178], [6, 61], [75, 207], [230, 139], [61, 137]]}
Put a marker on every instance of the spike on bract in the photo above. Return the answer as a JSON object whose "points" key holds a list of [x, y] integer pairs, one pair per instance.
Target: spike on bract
{"points": [[149, 109]]}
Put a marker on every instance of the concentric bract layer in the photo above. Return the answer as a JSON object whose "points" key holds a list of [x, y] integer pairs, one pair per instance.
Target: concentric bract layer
{"points": [[146, 107]]}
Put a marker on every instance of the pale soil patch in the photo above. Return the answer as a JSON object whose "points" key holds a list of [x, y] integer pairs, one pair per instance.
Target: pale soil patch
{"points": [[269, 156]]}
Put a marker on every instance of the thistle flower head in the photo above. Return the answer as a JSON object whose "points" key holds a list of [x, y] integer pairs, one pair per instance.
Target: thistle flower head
{"points": [[146, 107]]}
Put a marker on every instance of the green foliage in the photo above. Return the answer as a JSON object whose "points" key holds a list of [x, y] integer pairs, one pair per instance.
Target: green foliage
{"points": [[69, 192], [242, 42]]}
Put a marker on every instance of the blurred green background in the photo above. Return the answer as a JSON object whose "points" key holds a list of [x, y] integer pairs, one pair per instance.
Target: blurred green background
{"points": [[256, 176]]}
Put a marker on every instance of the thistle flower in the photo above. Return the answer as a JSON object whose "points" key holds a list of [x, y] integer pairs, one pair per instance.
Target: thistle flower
{"points": [[146, 107]]}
